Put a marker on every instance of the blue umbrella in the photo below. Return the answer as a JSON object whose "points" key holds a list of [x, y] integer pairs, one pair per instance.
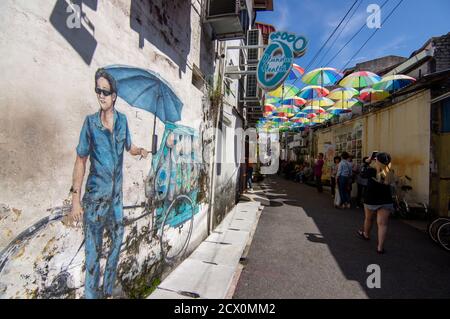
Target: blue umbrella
{"points": [[295, 73], [394, 83], [146, 90]]}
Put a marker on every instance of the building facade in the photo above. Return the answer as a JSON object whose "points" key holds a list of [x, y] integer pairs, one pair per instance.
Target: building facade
{"points": [[412, 125], [51, 52]]}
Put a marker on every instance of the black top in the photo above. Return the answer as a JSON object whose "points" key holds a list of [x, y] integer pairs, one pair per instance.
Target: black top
{"points": [[377, 193]]}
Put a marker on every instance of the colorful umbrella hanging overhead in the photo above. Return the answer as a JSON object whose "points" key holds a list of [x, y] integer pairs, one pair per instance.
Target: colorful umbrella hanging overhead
{"points": [[320, 102], [360, 80], [295, 101], [285, 91], [338, 111], [300, 115], [320, 119], [394, 83], [269, 108], [279, 119], [296, 73], [313, 110], [271, 100], [370, 95], [342, 94], [298, 127], [322, 77], [313, 92], [300, 120], [311, 116], [288, 109], [346, 104]]}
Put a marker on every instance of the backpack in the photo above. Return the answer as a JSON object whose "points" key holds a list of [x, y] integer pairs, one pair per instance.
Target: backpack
{"points": [[364, 172]]}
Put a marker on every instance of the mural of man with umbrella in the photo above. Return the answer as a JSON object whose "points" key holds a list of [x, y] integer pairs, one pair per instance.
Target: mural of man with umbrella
{"points": [[103, 138]]}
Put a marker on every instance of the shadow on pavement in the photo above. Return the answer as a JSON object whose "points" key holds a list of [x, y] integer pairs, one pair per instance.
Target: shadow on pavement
{"points": [[413, 267]]}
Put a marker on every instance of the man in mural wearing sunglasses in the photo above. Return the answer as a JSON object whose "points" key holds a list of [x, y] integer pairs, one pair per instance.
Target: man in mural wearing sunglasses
{"points": [[103, 138]]}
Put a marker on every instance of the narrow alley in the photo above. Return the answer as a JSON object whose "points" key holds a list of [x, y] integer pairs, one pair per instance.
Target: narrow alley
{"points": [[305, 248]]}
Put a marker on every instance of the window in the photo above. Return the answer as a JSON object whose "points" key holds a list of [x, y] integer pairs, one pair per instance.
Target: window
{"points": [[445, 116], [197, 78]]}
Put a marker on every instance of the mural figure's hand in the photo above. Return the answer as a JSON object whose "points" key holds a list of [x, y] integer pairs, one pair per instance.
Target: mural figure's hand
{"points": [[144, 153], [75, 217]]}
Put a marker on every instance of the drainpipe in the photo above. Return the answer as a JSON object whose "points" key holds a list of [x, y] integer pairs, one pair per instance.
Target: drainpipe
{"points": [[213, 171], [213, 161]]}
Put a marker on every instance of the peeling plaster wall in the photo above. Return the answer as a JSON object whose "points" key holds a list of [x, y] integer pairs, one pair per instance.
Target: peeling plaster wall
{"points": [[230, 144], [227, 167], [47, 90]]}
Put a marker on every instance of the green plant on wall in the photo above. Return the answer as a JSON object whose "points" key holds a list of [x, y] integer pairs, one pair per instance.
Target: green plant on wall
{"points": [[215, 93]]}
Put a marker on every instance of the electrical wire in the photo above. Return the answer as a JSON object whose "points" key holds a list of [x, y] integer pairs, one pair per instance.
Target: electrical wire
{"points": [[339, 35], [352, 38], [329, 38], [373, 34]]}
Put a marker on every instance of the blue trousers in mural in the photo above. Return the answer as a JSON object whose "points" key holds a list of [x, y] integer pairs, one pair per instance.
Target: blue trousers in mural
{"points": [[99, 218]]}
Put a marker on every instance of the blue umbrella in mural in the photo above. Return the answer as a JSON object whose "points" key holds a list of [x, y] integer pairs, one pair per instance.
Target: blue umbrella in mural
{"points": [[146, 90]]}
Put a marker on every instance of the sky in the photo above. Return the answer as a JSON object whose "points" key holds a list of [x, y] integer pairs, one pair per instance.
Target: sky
{"points": [[408, 28]]}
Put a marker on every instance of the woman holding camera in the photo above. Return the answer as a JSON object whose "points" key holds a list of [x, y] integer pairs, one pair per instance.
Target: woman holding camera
{"points": [[378, 198]]}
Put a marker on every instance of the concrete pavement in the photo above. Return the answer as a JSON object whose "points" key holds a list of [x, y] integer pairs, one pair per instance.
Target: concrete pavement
{"points": [[212, 270], [304, 248]]}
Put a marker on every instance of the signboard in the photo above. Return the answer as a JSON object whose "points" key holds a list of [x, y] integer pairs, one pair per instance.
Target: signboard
{"points": [[277, 60]]}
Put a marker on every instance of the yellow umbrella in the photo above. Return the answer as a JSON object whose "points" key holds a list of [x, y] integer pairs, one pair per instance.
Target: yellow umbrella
{"points": [[321, 102], [286, 91], [347, 104], [370, 95], [342, 94]]}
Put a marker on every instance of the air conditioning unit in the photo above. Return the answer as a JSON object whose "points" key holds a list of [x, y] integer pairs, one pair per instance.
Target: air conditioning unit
{"points": [[228, 18], [252, 91], [254, 37]]}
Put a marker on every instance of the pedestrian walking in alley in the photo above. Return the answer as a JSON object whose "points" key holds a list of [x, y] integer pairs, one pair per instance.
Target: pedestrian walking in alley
{"points": [[318, 168], [250, 176], [361, 181], [378, 198], [103, 138], [298, 172], [305, 175], [343, 180], [334, 168]]}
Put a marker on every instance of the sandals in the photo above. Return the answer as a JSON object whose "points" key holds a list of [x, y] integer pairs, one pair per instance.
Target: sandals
{"points": [[362, 236]]}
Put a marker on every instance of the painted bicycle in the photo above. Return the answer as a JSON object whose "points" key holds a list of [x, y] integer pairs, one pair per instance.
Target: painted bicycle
{"points": [[171, 188]]}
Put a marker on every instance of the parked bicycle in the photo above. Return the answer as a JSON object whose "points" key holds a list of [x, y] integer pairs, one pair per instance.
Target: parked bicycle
{"points": [[172, 194], [439, 232], [406, 206]]}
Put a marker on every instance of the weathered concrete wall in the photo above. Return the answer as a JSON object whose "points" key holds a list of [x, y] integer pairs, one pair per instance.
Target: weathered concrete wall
{"points": [[381, 64], [324, 141], [47, 91], [230, 145], [440, 183], [403, 130]]}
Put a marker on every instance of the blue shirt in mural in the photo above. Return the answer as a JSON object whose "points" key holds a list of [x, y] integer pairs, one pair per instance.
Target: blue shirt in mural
{"points": [[105, 150]]}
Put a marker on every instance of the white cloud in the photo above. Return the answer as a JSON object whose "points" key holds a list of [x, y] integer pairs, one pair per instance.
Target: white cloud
{"points": [[284, 16]]}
